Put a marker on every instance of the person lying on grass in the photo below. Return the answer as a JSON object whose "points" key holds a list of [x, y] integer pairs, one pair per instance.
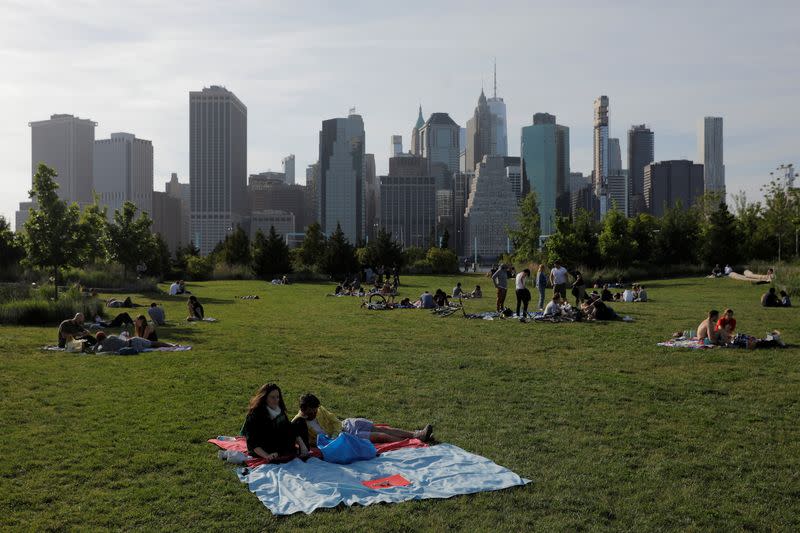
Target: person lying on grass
{"points": [[321, 421], [707, 330], [72, 329], [196, 311], [114, 343], [122, 319], [267, 428], [596, 309]]}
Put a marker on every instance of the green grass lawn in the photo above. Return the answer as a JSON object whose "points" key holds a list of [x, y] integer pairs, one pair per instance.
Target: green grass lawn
{"points": [[613, 430]]}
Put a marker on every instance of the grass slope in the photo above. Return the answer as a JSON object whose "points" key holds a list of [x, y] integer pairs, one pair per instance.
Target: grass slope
{"points": [[613, 430]]}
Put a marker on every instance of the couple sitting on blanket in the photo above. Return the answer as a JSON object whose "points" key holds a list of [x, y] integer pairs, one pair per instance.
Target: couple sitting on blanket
{"points": [[271, 435], [715, 330]]}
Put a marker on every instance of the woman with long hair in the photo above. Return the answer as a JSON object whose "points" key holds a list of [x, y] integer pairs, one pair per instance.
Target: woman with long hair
{"points": [[196, 311], [541, 284], [144, 330], [267, 428]]}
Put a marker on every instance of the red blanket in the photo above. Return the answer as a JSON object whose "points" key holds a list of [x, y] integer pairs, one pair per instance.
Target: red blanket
{"points": [[239, 444]]}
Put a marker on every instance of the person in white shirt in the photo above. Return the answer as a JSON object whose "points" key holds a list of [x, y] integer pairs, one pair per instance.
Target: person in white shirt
{"points": [[174, 289], [728, 270], [458, 292], [523, 294], [558, 279], [553, 306], [627, 296]]}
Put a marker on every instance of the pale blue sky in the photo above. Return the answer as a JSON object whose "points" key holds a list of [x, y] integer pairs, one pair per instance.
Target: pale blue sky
{"points": [[130, 67]]}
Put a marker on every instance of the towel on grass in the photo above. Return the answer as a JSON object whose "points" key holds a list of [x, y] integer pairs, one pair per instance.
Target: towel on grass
{"points": [[681, 342], [440, 471], [239, 444], [178, 348]]}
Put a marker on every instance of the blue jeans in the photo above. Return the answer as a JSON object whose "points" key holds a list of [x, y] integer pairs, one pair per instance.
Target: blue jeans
{"points": [[541, 296]]}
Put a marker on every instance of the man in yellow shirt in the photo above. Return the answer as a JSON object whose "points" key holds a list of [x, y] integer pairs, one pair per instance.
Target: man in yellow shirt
{"points": [[321, 421]]}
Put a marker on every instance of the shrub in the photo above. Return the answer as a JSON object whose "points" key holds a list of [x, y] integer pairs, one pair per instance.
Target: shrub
{"points": [[107, 277], [226, 271], [442, 261], [38, 310], [199, 268]]}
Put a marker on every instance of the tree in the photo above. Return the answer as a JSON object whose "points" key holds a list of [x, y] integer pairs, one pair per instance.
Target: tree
{"points": [[182, 255], [526, 238], [720, 238], [383, 251], [11, 247], [52, 232], [235, 248], [129, 237], [313, 248], [643, 230], [574, 241], [270, 255], [442, 260], [755, 244], [339, 258], [676, 240], [778, 213], [616, 245], [94, 231], [159, 262]]}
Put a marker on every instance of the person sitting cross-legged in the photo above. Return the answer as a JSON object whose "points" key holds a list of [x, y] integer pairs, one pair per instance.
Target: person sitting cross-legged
{"points": [[321, 421], [73, 329], [707, 330], [157, 314], [267, 429]]}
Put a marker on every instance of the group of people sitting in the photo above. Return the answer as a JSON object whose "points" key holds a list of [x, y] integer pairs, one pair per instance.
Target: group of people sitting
{"points": [[143, 335], [716, 330], [271, 435], [718, 272], [177, 288], [771, 299], [636, 293], [591, 308], [459, 292]]}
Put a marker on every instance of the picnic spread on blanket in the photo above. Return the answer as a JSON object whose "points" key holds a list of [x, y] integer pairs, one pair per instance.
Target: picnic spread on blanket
{"points": [[401, 472]]}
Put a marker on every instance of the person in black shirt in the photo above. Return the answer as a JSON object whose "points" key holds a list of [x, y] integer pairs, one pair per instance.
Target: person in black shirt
{"points": [[770, 299], [196, 311], [267, 429]]}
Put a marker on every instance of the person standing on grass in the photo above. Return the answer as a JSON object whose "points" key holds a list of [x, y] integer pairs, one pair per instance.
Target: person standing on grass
{"points": [[320, 421], [541, 285], [267, 429], [578, 288], [558, 279], [522, 293], [500, 280]]}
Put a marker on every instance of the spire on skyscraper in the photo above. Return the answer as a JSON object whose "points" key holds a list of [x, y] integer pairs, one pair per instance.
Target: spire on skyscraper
{"points": [[495, 78], [420, 119]]}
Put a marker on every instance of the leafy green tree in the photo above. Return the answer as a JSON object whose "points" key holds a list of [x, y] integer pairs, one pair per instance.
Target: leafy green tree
{"points": [[383, 251], [94, 231], [616, 245], [270, 255], [574, 241], [339, 258], [720, 238], [643, 229], [236, 248], [313, 248], [11, 247], [129, 237], [676, 240], [526, 238], [442, 260], [412, 254], [53, 238], [778, 214], [159, 263], [182, 254]]}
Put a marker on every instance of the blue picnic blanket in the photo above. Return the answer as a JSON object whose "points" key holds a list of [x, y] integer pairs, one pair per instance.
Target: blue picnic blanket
{"points": [[439, 471]]}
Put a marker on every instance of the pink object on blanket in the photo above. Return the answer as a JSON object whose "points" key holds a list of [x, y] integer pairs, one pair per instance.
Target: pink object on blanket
{"points": [[239, 444]]}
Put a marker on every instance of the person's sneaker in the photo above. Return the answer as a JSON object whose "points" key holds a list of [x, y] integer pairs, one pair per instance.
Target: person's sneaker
{"points": [[427, 431], [522, 319]]}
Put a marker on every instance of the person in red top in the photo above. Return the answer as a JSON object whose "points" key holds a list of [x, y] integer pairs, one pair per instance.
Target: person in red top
{"points": [[726, 326]]}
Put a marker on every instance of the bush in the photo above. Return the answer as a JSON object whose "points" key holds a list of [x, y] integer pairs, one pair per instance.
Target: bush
{"points": [[420, 266], [442, 261], [37, 309], [107, 277], [226, 271], [199, 268]]}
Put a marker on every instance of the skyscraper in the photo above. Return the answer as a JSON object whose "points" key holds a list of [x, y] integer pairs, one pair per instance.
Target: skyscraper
{"points": [[416, 148], [641, 152], [491, 210], [600, 148], [182, 192], [545, 166], [438, 139], [408, 201], [373, 195], [614, 157], [217, 164], [480, 134], [123, 172], [668, 182], [288, 169], [397, 145], [499, 122], [66, 143], [709, 147], [341, 188]]}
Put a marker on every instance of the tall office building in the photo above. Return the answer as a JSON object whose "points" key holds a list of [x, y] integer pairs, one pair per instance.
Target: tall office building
{"points": [[641, 152], [373, 209], [217, 164], [167, 217], [438, 139], [66, 143], [415, 147], [271, 193], [709, 147], [618, 197], [312, 177], [123, 172], [182, 192], [668, 182], [481, 133], [491, 210], [499, 122], [614, 157], [341, 188], [397, 145], [545, 166], [408, 201], [288, 169], [600, 148]]}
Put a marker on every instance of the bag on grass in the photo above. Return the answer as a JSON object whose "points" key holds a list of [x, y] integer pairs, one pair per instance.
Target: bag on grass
{"points": [[345, 449], [74, 346]]}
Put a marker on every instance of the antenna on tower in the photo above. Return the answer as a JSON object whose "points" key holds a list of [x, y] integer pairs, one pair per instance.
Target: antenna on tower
{"points": [[495, 77]]}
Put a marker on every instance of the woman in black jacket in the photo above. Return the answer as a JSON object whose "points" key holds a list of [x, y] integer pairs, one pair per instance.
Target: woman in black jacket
{"points": [[267, 428]]}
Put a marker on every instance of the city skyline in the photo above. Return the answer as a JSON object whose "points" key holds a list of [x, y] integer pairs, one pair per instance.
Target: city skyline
{"points": [[303, 74]]}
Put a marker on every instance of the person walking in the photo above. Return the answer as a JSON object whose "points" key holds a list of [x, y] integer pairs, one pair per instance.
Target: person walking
{"points": [[523, 294], [541, 284], [500, 280]]}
